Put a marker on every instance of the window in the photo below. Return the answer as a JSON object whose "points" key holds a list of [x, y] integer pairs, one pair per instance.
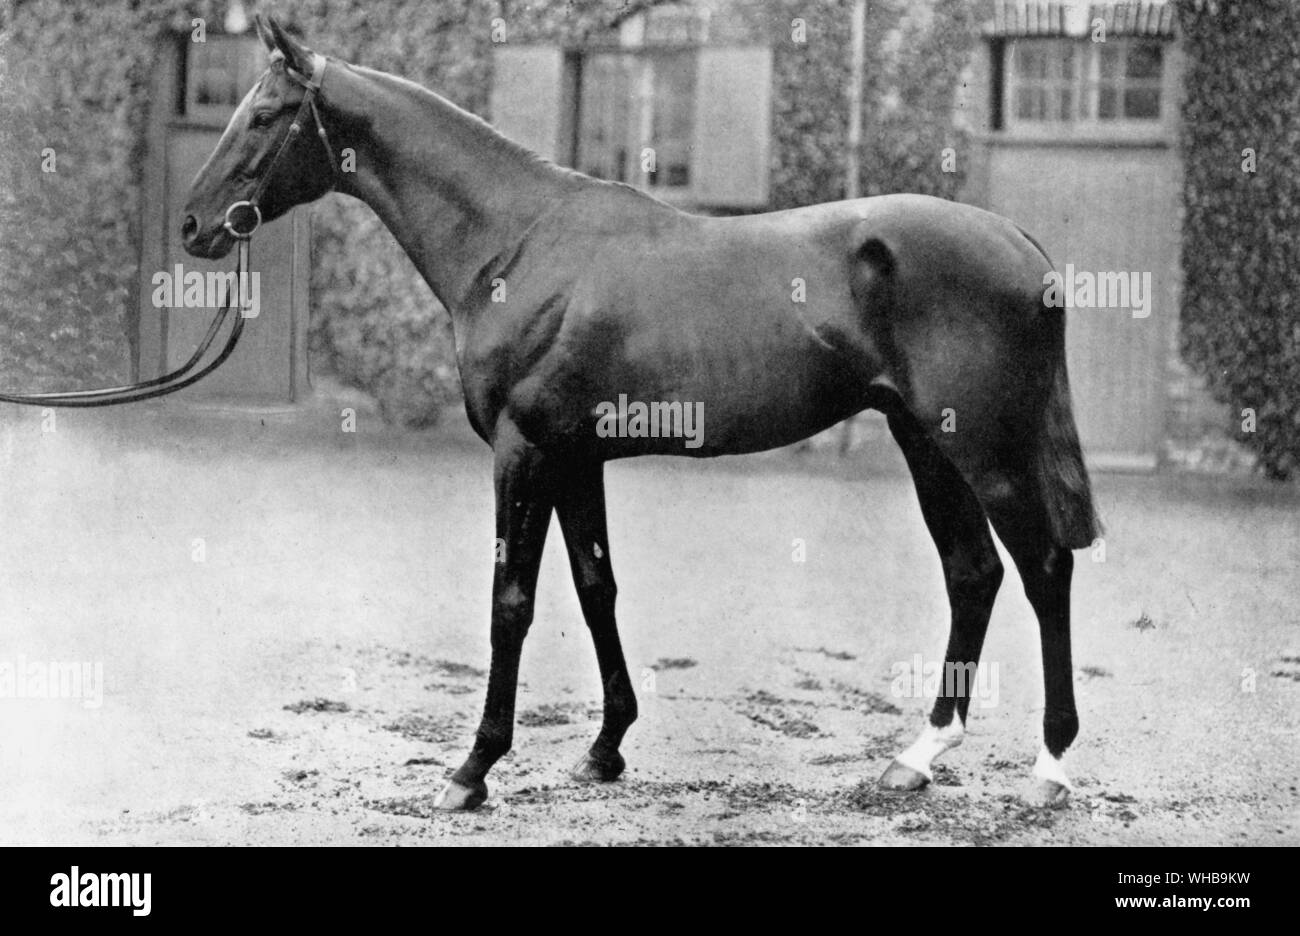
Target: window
{"points": [[1128, 81], [631, 101], [1056, 82], [218, 73], [705, 112]]}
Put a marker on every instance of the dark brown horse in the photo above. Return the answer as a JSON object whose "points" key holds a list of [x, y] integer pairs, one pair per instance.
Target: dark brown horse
{"points": [[592, 320]]}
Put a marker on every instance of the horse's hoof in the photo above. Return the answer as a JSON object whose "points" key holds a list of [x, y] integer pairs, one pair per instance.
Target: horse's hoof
{"points": [[594, 769], [1049, 794], [902, 779], [456, 797]]}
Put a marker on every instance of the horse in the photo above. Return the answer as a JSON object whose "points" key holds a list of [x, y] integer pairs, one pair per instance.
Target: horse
{"points": [[569, 293]]}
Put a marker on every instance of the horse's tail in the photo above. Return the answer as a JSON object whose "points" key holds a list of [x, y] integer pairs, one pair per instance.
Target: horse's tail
{"points": [[1059, 471], [1058, 468]]}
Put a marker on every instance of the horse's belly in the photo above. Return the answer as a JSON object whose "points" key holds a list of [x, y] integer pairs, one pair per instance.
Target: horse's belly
{"points": [[713, 403]]}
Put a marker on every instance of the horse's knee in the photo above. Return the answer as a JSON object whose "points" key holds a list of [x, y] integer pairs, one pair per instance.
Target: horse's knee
{"points": [[596, 595], [512, 614], [975, 576]]}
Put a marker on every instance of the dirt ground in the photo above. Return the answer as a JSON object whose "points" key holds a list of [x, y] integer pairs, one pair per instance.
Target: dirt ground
{"points": [[292, 627]]}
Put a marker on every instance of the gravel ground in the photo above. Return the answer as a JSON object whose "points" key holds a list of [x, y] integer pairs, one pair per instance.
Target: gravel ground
{"points": [[292, 627]]}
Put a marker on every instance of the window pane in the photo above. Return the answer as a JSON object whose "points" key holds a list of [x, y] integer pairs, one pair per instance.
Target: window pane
{"points": [[1029, 103], [1109, 61], [1142, 103], [1068, 60], [1107, 100], [1144, 61], [1066, 101], [1031, 63]]}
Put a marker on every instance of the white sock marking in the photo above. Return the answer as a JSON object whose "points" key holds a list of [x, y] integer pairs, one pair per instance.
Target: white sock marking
{"points": [[1048, 767], [931, 743]]}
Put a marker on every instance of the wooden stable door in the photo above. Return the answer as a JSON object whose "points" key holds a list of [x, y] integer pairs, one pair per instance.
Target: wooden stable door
{"points": [[1112, 211], [195, 90]]}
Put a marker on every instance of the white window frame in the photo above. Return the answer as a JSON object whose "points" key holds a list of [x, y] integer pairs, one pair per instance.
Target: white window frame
{"points": [[1086, 85]]}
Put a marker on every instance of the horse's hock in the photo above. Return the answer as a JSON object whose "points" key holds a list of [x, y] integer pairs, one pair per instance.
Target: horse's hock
{"points": [[196, 88]]}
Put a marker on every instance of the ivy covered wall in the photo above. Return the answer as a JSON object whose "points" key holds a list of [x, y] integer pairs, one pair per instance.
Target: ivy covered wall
{"points": [[1241, 227]]}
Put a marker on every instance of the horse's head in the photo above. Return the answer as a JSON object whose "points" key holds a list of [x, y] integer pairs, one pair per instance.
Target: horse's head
{"points": [[261, 157]]}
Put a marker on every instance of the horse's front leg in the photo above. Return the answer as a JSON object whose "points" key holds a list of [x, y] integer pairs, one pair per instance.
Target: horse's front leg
{"points": [[523, 512], [580, 506]]}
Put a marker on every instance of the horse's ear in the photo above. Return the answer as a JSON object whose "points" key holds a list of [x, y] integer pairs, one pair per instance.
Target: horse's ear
{"points": [[296, 55], [263, 33]]}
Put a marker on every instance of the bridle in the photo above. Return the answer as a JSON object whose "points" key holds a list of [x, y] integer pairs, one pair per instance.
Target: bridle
{"points": [[311, 83], [246, 210]]}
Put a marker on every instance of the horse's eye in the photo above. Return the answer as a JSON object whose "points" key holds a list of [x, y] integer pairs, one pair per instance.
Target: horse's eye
{"points": [[263, 119]]}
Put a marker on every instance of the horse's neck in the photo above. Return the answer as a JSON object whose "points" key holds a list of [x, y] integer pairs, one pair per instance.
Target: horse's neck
{"points": [[452, 191]]}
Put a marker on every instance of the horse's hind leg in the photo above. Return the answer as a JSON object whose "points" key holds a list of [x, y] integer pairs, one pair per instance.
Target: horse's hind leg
{"points": [[972, 572], [1021, 518], [581, 509]]}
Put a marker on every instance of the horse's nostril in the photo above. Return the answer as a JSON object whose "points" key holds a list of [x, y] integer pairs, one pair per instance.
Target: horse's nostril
{"points": [[189, 229]]}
